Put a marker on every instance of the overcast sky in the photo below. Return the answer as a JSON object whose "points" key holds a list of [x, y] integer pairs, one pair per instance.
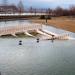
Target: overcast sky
{"points": [[44, 3]]}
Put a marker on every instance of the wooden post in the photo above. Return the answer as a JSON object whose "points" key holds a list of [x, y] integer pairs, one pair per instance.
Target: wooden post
{"points": [[52, 38], [46, 17]]}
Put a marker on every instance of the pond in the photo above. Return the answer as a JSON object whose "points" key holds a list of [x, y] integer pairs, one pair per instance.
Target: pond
{"points": [[32, 58]]}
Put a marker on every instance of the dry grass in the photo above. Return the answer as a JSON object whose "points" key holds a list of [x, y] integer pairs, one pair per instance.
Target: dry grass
{"points": [[60, 22]]}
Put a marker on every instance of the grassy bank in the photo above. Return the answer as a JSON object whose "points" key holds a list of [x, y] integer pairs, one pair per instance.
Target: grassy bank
{"points": [[66, 23]]}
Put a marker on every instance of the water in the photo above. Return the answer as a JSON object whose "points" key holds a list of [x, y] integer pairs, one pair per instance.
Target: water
{"points": [[32, 58]]}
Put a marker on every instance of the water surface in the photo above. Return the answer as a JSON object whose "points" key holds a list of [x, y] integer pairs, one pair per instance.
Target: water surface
{"points": [[32, 58]]}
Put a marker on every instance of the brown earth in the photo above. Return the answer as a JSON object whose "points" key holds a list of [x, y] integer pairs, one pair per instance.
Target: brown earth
{"points": [[60, 22]]}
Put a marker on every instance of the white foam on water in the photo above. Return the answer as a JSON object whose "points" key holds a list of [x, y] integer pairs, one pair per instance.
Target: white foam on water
{"points": [[71, 38]]}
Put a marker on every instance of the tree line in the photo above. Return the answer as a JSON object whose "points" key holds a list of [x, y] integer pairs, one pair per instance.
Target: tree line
{"points": [[59, 11]]}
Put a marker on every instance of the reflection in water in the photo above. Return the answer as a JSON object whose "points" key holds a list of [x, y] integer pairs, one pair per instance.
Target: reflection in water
{"points": [[12, 23], [32, 58]]}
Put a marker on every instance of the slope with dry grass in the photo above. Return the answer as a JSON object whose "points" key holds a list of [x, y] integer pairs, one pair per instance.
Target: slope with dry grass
{"points": [[60, 22]]}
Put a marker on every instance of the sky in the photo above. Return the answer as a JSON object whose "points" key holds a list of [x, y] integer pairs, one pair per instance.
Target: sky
{"points": [[44, 3]]}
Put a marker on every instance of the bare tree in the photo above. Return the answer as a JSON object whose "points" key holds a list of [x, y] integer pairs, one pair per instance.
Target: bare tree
{"points": [[21, 7], [72, 10], [49, 11], [59, 11], [31, 10]]}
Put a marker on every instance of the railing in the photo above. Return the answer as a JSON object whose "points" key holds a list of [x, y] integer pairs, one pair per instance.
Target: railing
{"points": [[19, 28]]}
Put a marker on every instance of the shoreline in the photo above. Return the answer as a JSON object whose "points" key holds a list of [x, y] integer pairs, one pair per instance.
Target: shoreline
{"points": [[68, 25], [17, 17]]}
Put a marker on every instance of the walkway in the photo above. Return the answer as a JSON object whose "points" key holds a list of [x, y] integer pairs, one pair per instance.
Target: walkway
{"points": [[13, 30]]}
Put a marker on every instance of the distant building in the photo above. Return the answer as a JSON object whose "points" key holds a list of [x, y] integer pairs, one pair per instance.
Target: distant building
{"points": [[8, 9]]}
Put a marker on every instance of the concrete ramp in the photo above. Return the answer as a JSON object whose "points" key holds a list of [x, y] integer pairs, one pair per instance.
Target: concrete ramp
{"points": [[46, 38], [28, 34], [58, 36], [42, 33], [49, 33], [14, 35]]}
